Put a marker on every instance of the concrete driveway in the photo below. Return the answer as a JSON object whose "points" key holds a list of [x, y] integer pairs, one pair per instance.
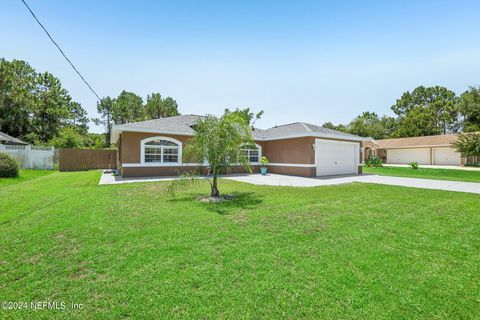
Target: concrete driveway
{"points": [[282, 180], [294, 181]]}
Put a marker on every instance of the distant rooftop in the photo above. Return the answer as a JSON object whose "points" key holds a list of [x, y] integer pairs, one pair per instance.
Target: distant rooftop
{"points": [[424, 141], [6, 139]]}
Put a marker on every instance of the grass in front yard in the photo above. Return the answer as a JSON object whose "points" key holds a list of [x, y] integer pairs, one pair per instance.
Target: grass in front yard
{"points": [[353, 251], [25, 175], [427, 173]]}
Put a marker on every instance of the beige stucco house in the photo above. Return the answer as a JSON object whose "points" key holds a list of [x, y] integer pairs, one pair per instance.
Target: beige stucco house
{"points": [[427, 150], [155, 148]]}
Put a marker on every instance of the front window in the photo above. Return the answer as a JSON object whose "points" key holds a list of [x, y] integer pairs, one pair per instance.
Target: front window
{"points": [[162, 151], [253, 155]]}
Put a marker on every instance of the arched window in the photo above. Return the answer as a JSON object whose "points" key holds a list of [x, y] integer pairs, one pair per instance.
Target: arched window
{"points": [[161, 150], [253, 155]]}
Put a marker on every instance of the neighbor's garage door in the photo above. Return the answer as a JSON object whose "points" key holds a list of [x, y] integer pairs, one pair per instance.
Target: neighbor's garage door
{"points": [[405, 156], [336, 157], [446, 156]]}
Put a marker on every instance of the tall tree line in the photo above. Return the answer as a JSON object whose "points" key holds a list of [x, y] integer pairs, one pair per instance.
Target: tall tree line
{"points": [[34, 106], [129, 107], [424, 111]]}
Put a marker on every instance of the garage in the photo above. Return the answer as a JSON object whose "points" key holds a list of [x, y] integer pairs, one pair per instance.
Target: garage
{"points": [[446, 156], [425, 150], [336, 157], [405, 156]]}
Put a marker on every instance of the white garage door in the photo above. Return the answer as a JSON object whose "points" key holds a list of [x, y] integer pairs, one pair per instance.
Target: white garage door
{"points": [[336, 157], [405, 156], [446, 156]]}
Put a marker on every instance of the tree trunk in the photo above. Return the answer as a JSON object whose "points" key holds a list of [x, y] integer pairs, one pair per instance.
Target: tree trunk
{"points": [[214, 190], [109, 131]]}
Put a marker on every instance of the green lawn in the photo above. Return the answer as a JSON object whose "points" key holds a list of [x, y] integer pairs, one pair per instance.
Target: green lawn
{"points": [[25, 175], [427, 173], [355, 251]]}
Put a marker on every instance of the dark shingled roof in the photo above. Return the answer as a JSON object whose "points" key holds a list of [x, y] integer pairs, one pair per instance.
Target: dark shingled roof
{"points": [[178, 124], [183, 125], [302, 128]]}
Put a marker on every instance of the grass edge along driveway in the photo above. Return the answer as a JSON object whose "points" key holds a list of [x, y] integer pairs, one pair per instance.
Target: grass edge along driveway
{"points": [[427, 173], [348, 251]]}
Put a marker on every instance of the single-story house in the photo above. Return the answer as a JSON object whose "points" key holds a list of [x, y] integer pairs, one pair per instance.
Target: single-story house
{"points": [[154, 148], [427, 150], [6, 139]]}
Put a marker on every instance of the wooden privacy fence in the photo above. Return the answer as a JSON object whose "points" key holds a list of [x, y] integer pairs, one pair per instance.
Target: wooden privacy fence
{"points": [[86, 159]]}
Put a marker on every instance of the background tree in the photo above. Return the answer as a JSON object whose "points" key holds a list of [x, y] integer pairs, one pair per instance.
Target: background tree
{"points": [[95, 141], [156, 107], [340, 127], [128, 107], [436, 106], [219, 141], [79, 117], [369, 124], [171, 107], [68, 137], [105, 109], [470, 109], [34, 106], [52, 108], [418, 122], [17, 81]]}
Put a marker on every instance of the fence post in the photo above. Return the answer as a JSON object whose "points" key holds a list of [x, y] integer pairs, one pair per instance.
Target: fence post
{"points": [[28, 151]]}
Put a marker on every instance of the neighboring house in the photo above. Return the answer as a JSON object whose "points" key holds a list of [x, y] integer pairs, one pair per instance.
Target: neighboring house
{"points": [[155, 148], [429, 150], [6, 139]]}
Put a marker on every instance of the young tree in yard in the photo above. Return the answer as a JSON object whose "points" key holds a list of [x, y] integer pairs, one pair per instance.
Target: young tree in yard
{"points": [[248, 115], [219, 142], [468, 144], [470, 109]]}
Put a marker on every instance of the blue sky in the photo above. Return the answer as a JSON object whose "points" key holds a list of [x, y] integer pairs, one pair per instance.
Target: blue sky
{"points": [[311, 61]]}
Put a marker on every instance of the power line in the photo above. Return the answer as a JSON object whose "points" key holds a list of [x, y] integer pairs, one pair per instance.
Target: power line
{"points": [[61, 51]]}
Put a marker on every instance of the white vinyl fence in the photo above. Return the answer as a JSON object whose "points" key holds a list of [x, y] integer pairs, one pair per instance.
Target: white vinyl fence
{"points": [[30, 157]]}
